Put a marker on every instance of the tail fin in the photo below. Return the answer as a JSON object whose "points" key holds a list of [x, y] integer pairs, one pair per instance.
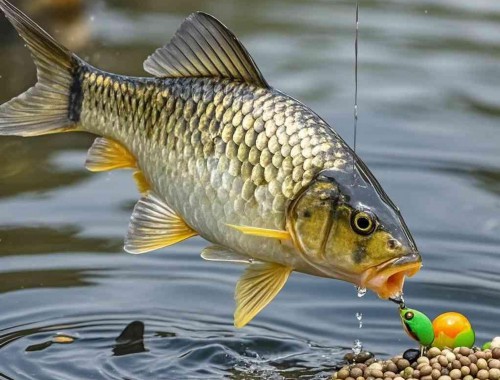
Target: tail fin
{"points": [[48, 106]]}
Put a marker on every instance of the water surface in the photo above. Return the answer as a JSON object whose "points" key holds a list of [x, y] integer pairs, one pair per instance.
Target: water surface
{"points": [[428, 128]]}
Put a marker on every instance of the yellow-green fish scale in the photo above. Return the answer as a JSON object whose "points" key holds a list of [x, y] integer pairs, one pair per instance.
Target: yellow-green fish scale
{"points": [[216, 151]]}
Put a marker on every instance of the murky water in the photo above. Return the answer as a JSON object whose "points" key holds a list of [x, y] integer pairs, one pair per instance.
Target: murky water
{"points": [[429, 127]]}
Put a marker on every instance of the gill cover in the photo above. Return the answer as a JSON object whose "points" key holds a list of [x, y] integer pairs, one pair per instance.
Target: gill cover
{"points": [[346, 227]]}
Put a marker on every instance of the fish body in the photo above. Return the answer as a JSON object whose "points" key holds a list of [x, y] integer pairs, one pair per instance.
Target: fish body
{"points": [[219, 153]]}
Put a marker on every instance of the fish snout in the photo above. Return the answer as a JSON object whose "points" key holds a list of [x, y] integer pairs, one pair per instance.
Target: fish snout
{"points": [[387, 279]]}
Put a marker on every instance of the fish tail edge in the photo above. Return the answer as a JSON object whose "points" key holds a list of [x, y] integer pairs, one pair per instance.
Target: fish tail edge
{"points": [[53, 104]]}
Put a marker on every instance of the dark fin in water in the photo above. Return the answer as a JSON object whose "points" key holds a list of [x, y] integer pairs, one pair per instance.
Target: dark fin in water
{"points": [[53, 104], [154, 225], [203, 47], [106, 154], [256, 288]]}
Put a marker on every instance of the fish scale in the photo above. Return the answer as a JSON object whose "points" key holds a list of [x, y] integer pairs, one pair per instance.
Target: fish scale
{"points": [[216, 152], [247, 133]]}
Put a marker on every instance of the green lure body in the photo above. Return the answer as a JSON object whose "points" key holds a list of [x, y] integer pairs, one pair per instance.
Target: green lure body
{"points": [[418, 326]]}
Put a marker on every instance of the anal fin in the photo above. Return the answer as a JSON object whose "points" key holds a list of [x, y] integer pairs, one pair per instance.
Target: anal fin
{"points": [[220, 253], [258, 286], [154, 225], [106, 154]]}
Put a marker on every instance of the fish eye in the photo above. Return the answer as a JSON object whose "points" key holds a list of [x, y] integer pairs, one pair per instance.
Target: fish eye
{"points": [[409, 316], [363, 223]]}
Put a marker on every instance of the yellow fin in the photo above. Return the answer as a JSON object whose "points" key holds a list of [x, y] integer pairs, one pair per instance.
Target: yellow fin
{"points": [[106, 154], [263, 232], [154, 225], [256, 288], [141, 182]]}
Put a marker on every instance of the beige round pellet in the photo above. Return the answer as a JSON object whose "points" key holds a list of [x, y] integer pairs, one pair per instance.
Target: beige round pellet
{"points": [[391, 366], [494, 373], [433, 352], [465, 371], [435, 374], [480, 355], [356, 372], [398, 378], [442, 360], [464, 360], [408, 372], [375, 365], [455, 374], [473, 369], [390, 374], [495, 353], [426, 377], [450, 356], [472, 358], [425, 370], [342, 374], [423, 359], [456, 364], [483, 374], [465, 351], [482, 363], [402, 364], [376, 373], [437, 366], [468, 377], [444, 378], [494, 363], [360, 378]]}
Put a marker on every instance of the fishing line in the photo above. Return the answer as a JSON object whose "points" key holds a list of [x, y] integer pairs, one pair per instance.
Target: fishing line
{"points": [[356, 82]]}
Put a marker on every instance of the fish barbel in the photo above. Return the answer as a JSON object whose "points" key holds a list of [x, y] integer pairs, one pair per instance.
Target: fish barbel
{"points": [[219, 153]]}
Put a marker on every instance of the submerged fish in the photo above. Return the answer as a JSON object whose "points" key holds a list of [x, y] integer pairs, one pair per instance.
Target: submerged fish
{"points": [[219, 153]]}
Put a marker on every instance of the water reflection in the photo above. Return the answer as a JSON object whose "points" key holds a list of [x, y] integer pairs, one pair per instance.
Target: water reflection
{"points": [[44, 240]]}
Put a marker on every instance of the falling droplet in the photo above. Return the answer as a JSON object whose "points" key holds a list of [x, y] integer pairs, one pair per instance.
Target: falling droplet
{"points": [[359, 317], [357, 347], [361, 291]]}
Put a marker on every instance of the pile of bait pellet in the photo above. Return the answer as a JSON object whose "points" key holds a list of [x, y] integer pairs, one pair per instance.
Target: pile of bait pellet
{"points": [[460, 363]]}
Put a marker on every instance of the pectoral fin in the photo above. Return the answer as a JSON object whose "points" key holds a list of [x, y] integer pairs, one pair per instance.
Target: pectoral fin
{"points": [[263, 232], [220, 253], [154, 225], [256, 288], [106, 154]]}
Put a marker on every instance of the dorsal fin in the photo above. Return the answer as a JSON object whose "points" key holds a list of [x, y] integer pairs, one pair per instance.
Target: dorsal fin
{"points": [[203, 47]]}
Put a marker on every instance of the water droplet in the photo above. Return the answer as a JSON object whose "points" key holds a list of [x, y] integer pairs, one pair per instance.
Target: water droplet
{"points": [[359, 317], [361, 291], [357, 347]]}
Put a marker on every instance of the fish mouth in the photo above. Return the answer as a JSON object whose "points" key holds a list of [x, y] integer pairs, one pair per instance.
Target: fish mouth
{"points": [[387, 279]]}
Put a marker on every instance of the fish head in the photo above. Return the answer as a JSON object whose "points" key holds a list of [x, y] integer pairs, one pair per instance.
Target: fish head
{"points": [[345, 226]]}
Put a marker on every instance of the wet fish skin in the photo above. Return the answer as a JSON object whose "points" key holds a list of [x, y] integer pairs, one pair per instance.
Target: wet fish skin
{"points": [[236, 153]]}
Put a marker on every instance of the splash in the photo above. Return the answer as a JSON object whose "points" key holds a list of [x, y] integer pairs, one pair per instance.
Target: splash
{"points": [[357, 347]]}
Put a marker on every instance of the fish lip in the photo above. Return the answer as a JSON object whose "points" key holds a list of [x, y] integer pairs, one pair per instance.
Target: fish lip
{"points": [[387, 279]]}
